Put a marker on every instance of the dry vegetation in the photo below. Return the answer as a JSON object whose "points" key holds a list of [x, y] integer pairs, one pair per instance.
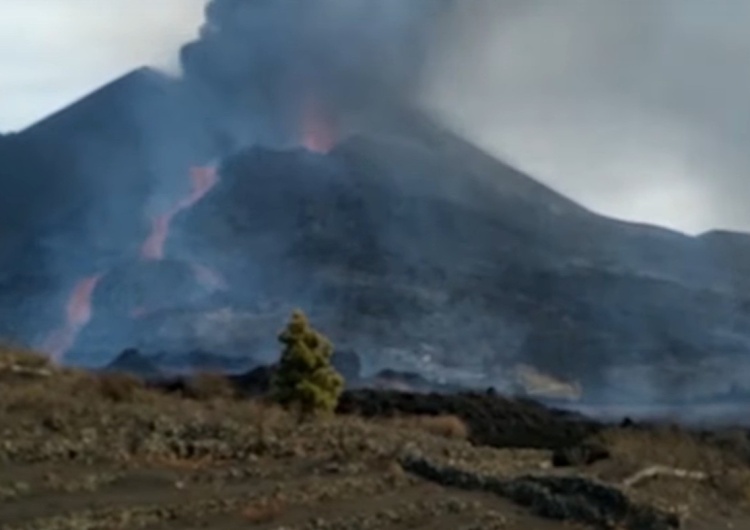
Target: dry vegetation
{"points": [[115, 387], [446, 426], [79, 450], [209, 386], [682, 468]]}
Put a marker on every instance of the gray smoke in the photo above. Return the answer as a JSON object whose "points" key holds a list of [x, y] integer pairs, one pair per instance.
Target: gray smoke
{"points": [[637, 108], [269, 57]]}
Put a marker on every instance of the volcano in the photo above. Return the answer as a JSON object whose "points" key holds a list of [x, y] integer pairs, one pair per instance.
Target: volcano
{"points": [[419, 248], [403, 241]]}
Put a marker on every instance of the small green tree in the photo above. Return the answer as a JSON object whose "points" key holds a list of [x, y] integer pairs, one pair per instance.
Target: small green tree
{"points": [[305, 379]]}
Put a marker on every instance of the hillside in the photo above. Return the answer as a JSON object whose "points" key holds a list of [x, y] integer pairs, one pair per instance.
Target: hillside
{"points": [[408, 245], [104, 451], [402, 243], [78, 188]]}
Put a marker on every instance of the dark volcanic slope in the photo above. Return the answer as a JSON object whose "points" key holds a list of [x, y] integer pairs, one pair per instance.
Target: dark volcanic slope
{"points": [[75, 187], [101, 156], [424, 242], [79, 188], [406, 244]]}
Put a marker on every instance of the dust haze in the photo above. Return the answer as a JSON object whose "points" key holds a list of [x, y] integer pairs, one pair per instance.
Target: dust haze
{"points": [[636, 108]]}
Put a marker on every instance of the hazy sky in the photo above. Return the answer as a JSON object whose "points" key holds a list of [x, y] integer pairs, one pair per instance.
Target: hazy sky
{"points": [[636, 108], [53, 51]]}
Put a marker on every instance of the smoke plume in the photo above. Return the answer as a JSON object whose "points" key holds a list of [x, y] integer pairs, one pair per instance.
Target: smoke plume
{"points": [[270, 57], [637, 108]]}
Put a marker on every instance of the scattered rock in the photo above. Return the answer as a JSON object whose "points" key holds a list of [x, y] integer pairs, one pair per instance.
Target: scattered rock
{"points": [[573, 499], [492, 419], [583, 454]]}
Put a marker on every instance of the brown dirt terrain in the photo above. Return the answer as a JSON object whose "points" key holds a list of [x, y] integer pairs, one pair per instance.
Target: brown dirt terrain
{"points": [[86, 452]]}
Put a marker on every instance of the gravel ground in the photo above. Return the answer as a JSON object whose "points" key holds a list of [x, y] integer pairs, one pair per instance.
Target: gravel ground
{"points": [[85, 452]]}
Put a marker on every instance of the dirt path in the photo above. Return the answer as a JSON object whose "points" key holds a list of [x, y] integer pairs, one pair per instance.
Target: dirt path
{"points": [[169, 499]]}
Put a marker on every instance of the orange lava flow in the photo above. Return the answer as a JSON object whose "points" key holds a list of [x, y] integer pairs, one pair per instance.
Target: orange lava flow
{"points": [[202, 180], [77, 315], [78, 310]]}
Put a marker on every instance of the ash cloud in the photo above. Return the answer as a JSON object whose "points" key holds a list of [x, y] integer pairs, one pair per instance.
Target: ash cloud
{"points": [[268, 57], [638, 109]]}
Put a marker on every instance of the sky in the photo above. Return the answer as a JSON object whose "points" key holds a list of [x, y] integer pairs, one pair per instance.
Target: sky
{"points": [[55, 51], [639, 109]]}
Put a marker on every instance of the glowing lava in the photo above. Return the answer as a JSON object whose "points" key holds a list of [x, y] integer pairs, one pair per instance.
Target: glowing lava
{"points": [[77, 315], [79, 305], [202, 180], [318, 130], [78, 311]]}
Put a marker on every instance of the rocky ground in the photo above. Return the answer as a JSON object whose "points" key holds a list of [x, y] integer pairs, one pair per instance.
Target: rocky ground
{"points": [[81, 451]]}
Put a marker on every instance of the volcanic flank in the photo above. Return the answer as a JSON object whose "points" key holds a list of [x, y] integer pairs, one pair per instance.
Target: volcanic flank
{"points": [[409, 245], [418, 246]]}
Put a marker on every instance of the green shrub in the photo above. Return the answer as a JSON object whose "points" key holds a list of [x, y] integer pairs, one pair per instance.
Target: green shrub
{"points": [[305, 380]]}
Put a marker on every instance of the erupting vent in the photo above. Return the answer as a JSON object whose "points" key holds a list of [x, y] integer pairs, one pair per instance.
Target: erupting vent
{"points": [[318, 130]]}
